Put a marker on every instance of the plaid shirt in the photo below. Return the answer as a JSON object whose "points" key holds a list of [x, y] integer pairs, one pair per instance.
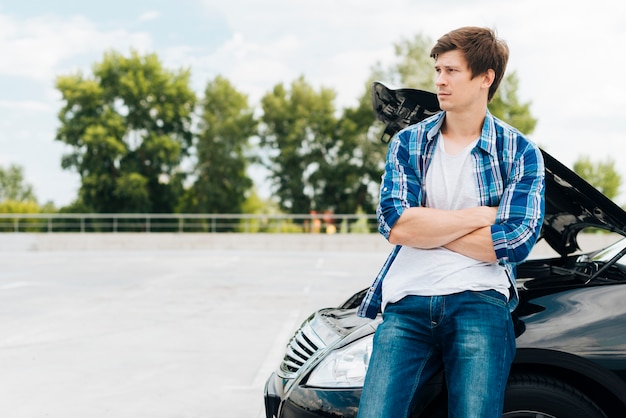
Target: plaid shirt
{"points": [[509, 172]]}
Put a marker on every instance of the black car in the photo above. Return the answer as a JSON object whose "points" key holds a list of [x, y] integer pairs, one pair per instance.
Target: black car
{"points": [[570, 324]]}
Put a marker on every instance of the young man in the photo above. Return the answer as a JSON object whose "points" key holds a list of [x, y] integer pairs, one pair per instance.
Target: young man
{"points": [[462, 198]]}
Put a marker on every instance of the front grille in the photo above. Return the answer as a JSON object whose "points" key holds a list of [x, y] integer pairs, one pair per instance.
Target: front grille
{"points": [[302, 346], [320, 331]]}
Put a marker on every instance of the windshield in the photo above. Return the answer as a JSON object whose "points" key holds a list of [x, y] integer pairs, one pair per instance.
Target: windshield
{"points": [[609, 252]]}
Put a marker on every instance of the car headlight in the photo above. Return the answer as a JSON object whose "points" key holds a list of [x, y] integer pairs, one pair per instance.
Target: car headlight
{"points": [[344, 367]]}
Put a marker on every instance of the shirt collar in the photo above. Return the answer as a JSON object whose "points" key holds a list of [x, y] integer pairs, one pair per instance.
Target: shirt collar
{"points": [[487, 140]]}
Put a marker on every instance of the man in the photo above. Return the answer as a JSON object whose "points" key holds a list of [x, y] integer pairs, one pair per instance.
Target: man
{"points": [[462, 198]]}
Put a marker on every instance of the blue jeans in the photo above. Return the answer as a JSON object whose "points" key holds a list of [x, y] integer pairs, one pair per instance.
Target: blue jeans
{"points": [[469, 334]]}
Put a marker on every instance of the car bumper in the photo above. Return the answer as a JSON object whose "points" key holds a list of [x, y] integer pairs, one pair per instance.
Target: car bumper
{"points": [[306, 402]]}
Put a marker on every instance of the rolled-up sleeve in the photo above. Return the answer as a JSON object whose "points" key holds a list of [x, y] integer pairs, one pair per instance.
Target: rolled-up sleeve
{"points": [[401, 187], [521, 208]]}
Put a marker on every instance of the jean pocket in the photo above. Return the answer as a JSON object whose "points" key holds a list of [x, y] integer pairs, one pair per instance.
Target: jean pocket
{"points": [[494, 297]]}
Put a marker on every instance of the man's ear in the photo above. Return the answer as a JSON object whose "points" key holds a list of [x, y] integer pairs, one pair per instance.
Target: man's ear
{"points": [[488, 78]]}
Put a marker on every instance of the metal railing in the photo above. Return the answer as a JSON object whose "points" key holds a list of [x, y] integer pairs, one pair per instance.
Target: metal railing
{"points": [[183, 223]]}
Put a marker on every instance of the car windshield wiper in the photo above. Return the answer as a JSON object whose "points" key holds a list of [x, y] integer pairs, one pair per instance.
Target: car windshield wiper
{"points": [[570, 272]]}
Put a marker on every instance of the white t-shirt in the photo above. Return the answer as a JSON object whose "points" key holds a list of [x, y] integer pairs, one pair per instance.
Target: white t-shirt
{"points": [[450, 184]]}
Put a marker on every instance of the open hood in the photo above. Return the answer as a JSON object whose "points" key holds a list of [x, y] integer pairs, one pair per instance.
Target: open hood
{"points": [[399, 108], [572, 204]]}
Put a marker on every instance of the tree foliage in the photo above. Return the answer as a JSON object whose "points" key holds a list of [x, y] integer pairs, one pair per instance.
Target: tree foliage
{"points": [[13, 185], [129, 128], [226, 126], [319, 162], [506, 106], [348, 179], [603, 175], [298, 135]]}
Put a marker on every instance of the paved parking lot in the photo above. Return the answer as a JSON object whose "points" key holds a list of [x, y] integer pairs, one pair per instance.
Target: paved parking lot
{"points": [[161, 333], [158, 334]]}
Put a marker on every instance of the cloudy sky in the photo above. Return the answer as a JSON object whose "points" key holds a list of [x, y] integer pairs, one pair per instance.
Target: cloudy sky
{"points": [[568, 57]]}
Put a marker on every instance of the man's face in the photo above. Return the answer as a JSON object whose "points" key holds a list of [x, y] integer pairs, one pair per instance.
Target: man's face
{"points": [[456, 89]]}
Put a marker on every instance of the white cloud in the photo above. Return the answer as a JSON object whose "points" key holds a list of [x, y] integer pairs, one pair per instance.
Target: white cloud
{"points": [[39, 47], [151, 15], [251, 66]]}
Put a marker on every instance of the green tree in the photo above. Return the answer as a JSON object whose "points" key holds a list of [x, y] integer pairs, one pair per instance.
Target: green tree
{"points": [[298, 137], [226, 125], [318, 162], [348, 180], [24, 206], [506, 106], [254, 204], [602, 175], [129, 128], [13, 185]]}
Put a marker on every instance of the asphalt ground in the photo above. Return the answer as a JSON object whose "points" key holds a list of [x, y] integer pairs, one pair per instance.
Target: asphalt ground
{"points": [[164, 333], [158, 334]]}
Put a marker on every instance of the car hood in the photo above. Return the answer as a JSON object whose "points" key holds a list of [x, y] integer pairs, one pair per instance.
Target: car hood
{"points": [[571, 204]]}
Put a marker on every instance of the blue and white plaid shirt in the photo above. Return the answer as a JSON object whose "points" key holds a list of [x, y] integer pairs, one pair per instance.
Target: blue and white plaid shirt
{"points": [[509, 172]]}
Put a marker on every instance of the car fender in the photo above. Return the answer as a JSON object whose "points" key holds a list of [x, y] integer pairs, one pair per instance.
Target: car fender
{"points": [[600, 384]]}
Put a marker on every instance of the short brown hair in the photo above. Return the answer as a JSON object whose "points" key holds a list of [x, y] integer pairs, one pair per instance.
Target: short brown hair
{"points": [[482, 49]]}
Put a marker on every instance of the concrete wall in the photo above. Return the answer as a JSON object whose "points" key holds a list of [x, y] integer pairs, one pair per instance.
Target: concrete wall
{"points": [[217, 242]]}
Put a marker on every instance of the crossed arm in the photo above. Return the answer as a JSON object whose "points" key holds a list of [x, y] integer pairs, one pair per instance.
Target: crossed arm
{"points": [[465, 231]]}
